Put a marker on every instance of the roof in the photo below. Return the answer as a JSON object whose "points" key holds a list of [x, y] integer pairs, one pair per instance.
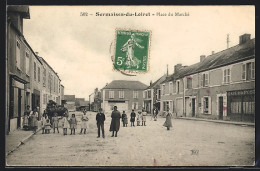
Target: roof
{"points": [[126, 84], [157, 83], [23, 9], [228, 56]]}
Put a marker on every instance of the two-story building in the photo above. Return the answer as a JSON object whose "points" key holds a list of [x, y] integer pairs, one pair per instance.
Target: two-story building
{"points": [[124, 94], [152, 95], [220, 86], [17, 66]]}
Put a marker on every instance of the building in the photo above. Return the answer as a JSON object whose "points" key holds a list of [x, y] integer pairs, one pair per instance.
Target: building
{"points": [[51, 87], [25, 72], [17, 66], [220, 86], [62, 92], [152, 95], [124, 94], [97, 100]]}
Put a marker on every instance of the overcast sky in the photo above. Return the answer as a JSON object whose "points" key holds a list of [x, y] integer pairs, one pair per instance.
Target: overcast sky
{"points": [[77, 47]]}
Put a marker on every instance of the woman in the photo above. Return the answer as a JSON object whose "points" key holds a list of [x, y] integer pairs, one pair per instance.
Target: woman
{"points": [[144, 113], [34, 121], [84, 120], [168, 122]]}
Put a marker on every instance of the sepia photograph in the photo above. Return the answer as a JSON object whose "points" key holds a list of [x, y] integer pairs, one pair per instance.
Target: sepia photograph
{"points": [[125, 85]]}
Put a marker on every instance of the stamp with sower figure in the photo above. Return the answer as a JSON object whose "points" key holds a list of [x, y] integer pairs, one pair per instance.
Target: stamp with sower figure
{"points": [[132, 51]]}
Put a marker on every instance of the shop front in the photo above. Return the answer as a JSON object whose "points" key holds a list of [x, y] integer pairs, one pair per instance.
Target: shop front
{"points": [[241, 105]]}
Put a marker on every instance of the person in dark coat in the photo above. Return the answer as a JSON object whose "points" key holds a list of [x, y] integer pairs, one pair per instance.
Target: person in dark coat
{"points": [[115, 122], [100, 118], [132, 118], [124, 119]]}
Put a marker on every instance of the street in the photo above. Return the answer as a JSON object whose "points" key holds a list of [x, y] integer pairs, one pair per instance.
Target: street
{"points": [[188, 143]]}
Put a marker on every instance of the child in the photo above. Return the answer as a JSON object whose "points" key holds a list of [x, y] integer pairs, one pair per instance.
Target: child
{"points": [[65, 124], [168, 122], [47, 126], [43, 120], [26, 121], [73, 124], [124, 119], [55, 122], [144, 113], [84, 120], [138, 118]]}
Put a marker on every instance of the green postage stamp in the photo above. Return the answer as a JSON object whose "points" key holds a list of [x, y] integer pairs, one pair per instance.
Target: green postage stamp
{"points": [[132, 51]]}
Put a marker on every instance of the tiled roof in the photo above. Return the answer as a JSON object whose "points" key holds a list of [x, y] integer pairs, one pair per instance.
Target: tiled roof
{"points": [[126, 84], [234, 54], [157, 83]]}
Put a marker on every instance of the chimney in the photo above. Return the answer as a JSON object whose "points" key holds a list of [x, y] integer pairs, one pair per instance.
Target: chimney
{"points": [[151, 82], [37, 53], [202, 57], [177, 68], [212, 52], [244, 38]]}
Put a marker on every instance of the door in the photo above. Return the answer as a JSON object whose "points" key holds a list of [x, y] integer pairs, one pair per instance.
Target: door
{"points": [[179, 107], [187, 106], [193, 107], [220, 102], [19, 108]]}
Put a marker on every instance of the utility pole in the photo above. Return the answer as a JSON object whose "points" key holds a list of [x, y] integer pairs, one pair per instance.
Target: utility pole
{"points": [[228, 41]]}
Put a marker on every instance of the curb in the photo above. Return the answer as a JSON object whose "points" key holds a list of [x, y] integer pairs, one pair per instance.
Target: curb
{"points": [[217, 121], [22, 142]]}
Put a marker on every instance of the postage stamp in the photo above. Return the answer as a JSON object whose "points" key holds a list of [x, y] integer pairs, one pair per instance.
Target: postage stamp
{"points": [[132, 51]]}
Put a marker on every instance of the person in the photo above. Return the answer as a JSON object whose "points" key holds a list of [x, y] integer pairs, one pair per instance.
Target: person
{"points": [[55, 122], [138, 118], [28, 112], [115, 122], [34, 121], [129, 47], [65, 123], [100, 118], [155, 114], [73, 124], [132, 118], [84, 120], [26, 121], [124, 119], [47, 126], [168, 121], [144, 113], [43, 120]]}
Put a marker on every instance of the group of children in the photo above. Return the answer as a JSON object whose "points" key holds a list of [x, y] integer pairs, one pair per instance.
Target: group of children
{"points": [[140, 117], [67, 123]]}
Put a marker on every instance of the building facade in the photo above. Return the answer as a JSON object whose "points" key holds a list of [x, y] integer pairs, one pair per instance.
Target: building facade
{"points": [[221, 86], [124, 94]]}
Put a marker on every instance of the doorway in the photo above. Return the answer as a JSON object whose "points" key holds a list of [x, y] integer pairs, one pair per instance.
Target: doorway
{"points": [[220, 109], [19, 108], [193, 107]]}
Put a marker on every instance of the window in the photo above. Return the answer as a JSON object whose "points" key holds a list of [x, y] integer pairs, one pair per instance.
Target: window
{"points": [[54, 88], [59, 86], [206, 105], [204, 81], [44, 77], [27, 64], [143, 94], [39, 74], [248, 71], [49, 81], [149, 93], [18, 54], [135, 95], [245, 105], [177, 87], [111, 94], [188, 82], [170, 88], [121, 94], [163, 89], [166, 105], [226, 76], [34, 71], [135, 105], [159, 94]]}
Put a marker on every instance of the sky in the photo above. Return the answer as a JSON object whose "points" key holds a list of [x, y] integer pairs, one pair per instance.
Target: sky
{"points": [[78, 47]]}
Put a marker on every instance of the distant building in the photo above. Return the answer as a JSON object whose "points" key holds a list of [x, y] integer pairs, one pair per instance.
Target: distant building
{"points": [[70, 98], [124, 94], [152, 95], [221, 86]]}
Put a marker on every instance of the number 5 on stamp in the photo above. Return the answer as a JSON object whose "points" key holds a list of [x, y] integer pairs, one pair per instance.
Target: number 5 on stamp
{"points": [[132, 50]]}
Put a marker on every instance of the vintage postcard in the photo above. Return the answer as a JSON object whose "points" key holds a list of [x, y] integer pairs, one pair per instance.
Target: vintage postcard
{"points": [[130, 85]]}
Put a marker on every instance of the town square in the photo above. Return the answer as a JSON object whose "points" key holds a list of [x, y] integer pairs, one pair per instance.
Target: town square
{"points": [[106, 87]]}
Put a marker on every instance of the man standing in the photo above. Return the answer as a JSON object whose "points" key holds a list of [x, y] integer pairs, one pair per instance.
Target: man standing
{"points": [[144, 113], [100, 117], [115, 122], [133, 118]]}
